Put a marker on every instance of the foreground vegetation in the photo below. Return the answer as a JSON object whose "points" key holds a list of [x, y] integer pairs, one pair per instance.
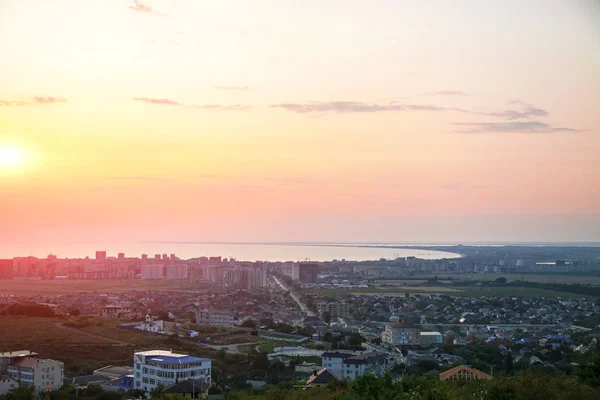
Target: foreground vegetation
{"points": [[526, 386]]}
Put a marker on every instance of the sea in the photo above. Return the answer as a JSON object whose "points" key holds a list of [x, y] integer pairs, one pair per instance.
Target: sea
{"points": [[239, 251]]}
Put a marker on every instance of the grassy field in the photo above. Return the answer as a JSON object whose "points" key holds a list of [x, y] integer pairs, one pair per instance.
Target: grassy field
{"points": [[83, 350], [567, 279], [58, 287], [470, 291], [388, 291], [267, 346]]}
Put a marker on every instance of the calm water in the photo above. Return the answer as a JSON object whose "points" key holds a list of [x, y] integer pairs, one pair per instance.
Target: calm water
{"points": [[242, 252]]}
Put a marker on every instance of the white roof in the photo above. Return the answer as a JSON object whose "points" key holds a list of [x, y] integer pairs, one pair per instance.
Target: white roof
{"points": [[160, 353], [430, 334]]}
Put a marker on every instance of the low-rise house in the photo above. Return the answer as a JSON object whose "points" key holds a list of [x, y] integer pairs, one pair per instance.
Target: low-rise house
{"points": [[462, 372], [320, 378], [189, 388], [151, 325], [7, 384], [347, 364]]}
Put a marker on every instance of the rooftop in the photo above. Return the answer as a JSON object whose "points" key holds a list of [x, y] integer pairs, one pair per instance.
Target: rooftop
{"points": [[402, 325], [18, 353], [168, 357], [321, 377]]}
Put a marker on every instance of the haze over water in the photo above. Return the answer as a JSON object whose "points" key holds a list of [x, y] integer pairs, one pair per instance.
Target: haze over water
{"points": [[241, 252]]}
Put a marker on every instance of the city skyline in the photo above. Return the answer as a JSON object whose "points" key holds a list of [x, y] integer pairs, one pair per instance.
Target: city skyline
{"points": [[268, 121]]}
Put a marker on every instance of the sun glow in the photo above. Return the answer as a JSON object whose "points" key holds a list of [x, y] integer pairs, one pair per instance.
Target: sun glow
{"points": [[10, 156]]}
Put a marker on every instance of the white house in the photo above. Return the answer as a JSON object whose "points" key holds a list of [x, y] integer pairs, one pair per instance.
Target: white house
{"points": [[160, 367], [151, 325], [347, 364], [7, 384]]}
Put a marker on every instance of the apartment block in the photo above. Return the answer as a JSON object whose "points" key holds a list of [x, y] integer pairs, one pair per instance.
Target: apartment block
{"points": [[41, 374], [401, 334], [335, 309], [215, 318], [161, 367]]}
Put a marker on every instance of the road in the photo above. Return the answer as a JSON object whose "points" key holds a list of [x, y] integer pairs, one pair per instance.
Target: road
{"points": [[113, 341], [295, 296]]}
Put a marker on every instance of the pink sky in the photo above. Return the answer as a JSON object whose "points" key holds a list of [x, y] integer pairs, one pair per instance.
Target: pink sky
{"points": [[291, 121]]}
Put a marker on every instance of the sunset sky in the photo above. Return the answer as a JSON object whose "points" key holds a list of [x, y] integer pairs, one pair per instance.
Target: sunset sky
{"points": [[308, 120]]}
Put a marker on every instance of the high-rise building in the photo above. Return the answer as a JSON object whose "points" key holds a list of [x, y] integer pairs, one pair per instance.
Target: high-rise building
{"points": [[155, 368], [6, 269], [121, 256], [244, 278], [101, 256], [305, 272]]}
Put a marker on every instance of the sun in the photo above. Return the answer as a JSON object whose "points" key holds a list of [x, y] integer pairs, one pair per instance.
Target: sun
{"points": [[10, 156]]}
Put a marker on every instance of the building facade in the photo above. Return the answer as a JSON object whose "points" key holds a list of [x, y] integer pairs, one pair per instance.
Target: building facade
{"points": [[348, 364], [163, 368], [305, 272], [335, 309], [401, 334], [215, 318], [41, 374], [7, 384], [427, 339]]}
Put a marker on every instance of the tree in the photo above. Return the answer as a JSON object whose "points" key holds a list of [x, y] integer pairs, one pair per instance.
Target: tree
{"points": [[501, 280], [508, 364], [221, 354], [260, 361], [249, 323], [327, 317], [328, 337], [74, 311]]}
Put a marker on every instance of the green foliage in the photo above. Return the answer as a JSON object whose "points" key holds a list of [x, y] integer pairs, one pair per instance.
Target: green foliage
{"points": [[526, 386], [29, 309], [249, 323]]}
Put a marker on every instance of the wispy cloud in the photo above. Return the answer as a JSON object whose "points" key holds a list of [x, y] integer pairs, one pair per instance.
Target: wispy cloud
{"points": [[158, 101], [449, 93], [344, 107], [140, 7], [37, 100], [9, 103], [216, 107], [232, 87], [527, 111], [509, 127], [48, 100]]}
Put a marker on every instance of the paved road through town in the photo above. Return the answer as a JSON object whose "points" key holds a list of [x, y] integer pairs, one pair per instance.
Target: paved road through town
{"points": [[295, 296]]}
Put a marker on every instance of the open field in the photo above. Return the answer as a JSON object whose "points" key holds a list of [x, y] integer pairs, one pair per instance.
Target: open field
{"points": [[58, 287], [83, 350], [389, 291], [469, 291], [542, 278]]}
